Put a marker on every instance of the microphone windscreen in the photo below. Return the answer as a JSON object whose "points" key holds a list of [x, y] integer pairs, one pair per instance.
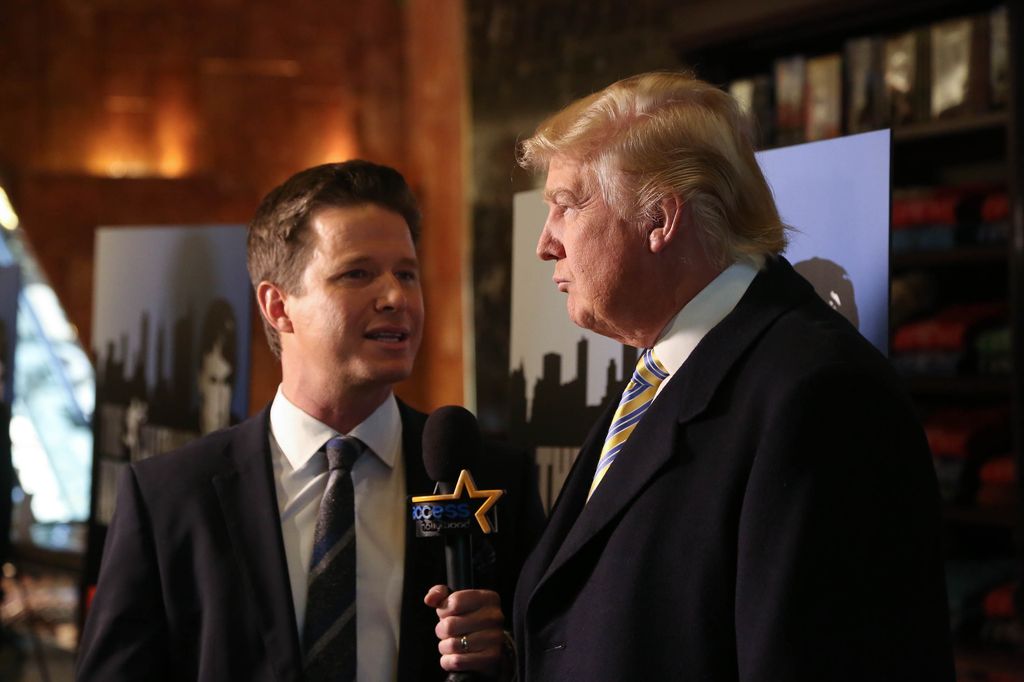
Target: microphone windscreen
{"points": [[451, 441]]}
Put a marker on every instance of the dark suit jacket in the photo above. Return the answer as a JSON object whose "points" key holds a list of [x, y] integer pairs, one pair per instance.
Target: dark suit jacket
{"points": [[773, 518], [194, 583]]}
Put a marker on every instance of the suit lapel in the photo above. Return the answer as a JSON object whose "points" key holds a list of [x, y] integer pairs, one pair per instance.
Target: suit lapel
{"points": [[248, 501], [566, 509], [424, 560], [651, 446]]}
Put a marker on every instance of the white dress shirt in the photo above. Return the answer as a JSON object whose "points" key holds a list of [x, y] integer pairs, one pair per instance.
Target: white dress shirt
{"points": [[378, 479], [705, 310]]}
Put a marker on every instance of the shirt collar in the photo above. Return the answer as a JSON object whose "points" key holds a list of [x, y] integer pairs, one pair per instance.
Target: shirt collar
{"points": [[300, 435], [705, 310]]}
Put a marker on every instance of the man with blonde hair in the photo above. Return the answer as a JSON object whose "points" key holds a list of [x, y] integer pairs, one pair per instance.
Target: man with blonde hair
{"points": [[761, 504]]}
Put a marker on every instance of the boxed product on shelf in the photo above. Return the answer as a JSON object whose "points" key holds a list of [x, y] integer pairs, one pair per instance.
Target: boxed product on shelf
{"points": [[937, 218], [1001, 601], [930, 363], [999, 57], [969, 581], [824, 97], [993, 351], [1007, 632], [950, 329], [977, 432], [949, 472], [790, 99], [997, 482], [962, 441], [905, 77], [754, 96], [863, 63], [912, 294], [959, 66]]}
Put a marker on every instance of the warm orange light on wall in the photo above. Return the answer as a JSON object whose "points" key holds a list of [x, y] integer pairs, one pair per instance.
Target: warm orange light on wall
{"points": [[175, 129], [119, 148], [173, 136], [140, 140], [337, 144], [118, 163]]}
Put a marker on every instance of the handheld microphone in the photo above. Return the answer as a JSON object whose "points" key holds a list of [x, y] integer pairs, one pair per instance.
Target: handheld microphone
{"points": [[457, 509], [451, 441]]}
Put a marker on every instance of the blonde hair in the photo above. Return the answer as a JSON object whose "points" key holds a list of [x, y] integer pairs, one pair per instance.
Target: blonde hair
{"points": [[660, 133]]}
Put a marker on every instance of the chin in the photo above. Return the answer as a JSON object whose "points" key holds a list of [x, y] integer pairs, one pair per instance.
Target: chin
{"points": [[582, 320], [391, 376]]}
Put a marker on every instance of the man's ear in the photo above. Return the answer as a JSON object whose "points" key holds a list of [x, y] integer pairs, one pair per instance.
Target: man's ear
{"points": [[271, 300], [667, 224]]}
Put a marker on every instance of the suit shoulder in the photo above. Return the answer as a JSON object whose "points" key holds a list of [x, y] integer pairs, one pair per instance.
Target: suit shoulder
{"points": [[812, 337], [200, 459]]}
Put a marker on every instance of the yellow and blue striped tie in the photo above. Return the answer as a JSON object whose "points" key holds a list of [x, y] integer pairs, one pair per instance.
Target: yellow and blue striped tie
{"points": [[637, 397]]}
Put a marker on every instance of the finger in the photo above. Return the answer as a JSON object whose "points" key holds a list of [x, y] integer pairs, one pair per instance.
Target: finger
{"points": [[456, 626], [467, 601], [484, 662], [436, 596], [483, 641]]}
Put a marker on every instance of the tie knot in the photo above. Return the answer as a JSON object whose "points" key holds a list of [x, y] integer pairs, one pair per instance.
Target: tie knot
{"points": [[649, 370], [342, 452]]}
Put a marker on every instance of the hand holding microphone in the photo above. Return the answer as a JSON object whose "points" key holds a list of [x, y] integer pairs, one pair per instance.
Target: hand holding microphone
{"points": [[470, 621], [469, 629]]}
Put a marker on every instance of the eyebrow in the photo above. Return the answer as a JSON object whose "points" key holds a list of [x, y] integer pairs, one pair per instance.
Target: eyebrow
{"points": [[551, 194], [405, 262]]}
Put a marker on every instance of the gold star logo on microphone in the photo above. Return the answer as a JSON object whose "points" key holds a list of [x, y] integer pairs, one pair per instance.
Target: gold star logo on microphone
{"points": [[484, 498]]}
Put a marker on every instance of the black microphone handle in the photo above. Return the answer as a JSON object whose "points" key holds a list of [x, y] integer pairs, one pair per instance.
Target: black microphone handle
{"points": [[458, 562], [458, 553], [458, 559]]}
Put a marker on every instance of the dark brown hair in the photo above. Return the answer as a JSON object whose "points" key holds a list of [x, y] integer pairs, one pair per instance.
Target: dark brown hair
{"points": [[279, 243]]}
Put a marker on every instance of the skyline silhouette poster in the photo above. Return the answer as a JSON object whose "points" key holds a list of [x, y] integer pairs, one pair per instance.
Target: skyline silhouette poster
{"points": [[171, 331], [834, 193]]}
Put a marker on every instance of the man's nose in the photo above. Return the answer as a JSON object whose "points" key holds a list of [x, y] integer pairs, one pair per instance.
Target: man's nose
{"points": [[548, 246], [392, 295]]}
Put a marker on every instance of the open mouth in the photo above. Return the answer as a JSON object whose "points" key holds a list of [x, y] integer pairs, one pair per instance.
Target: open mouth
{"points": [[387, 336]]}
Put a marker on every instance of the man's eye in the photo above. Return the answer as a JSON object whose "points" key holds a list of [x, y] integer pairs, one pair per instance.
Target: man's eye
{"points": [[356, 274], [407, 275]]}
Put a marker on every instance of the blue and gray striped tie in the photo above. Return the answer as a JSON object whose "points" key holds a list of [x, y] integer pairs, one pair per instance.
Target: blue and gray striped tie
{"points": [[329, 631], [637, 397]]}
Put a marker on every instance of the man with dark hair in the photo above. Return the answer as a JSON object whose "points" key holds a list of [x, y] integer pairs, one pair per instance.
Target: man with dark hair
{"points": [[761, 505], [282, 549]]}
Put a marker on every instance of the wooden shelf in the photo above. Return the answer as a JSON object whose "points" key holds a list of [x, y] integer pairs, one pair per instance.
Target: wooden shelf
{"points": [[980, 386], [926, 130], [962, 255], [974, 659], [995, 517], [28, 556]]}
